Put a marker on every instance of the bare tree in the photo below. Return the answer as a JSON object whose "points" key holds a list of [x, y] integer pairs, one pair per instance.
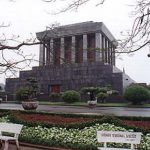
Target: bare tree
{"points": [[134, 40], [12, 65], [73, 4], [12, 47], [139, 36]]}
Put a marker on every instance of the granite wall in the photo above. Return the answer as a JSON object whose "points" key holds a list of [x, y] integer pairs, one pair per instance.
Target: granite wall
{"points": [[68, 77]]}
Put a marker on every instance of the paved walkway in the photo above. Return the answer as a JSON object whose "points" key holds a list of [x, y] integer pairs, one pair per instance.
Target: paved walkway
{"points": [[118, 111]]}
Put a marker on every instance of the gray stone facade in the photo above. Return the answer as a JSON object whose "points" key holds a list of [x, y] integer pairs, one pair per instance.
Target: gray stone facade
{"points": [[69, 77], [66, 64]]}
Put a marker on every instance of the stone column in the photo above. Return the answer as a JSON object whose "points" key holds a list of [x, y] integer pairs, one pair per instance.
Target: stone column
{"points": [[48, 53], [85, 48], [98, 46], [51, 52], [62, 51], [73, 50], [44, 55], [41, 55], [103, 49], [109, 52], [106, 49], [113, 56]]}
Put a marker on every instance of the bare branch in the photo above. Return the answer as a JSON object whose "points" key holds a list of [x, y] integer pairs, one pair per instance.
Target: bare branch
{"points": [[2, 47], [73, 4], [139, 35], [18, 60]]}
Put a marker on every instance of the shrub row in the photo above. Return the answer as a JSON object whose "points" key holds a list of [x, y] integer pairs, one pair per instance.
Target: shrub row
{"points": [[71, 96], [135, 94], [97, 119]]}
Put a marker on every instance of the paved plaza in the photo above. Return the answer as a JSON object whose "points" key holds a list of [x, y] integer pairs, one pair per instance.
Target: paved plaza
{"points": [[117, 111]]}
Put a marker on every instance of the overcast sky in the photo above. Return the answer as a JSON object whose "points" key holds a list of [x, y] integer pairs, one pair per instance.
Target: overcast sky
{"points": [[31, 16]]}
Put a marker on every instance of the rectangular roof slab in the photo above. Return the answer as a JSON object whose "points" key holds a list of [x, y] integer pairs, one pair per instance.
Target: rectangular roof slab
{"points": [[75, 29]]}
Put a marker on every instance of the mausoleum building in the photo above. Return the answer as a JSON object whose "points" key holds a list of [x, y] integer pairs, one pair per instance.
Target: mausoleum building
{"points": [[74, 56]]}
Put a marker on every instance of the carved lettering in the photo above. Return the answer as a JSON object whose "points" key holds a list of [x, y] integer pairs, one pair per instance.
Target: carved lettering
{"points": [[118, 135], [106, 135], [131, 136]]}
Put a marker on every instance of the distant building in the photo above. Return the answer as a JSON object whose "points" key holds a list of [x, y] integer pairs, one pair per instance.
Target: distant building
{"points": [[74, 56]]}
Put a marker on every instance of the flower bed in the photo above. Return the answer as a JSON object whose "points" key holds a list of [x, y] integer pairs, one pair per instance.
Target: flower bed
{"points": [[80, 135], [141, 124], [51, 119], [77, 121]]}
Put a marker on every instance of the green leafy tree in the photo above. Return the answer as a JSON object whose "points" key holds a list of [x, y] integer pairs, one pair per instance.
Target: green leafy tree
{"points": [[71, 96], [136, 94], [29, 91], [91, 91], [102, 96], [23, 93]]}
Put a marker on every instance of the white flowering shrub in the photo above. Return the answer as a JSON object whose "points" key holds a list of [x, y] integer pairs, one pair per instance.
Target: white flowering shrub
{"points": [[74, 137], [4, 119]]}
